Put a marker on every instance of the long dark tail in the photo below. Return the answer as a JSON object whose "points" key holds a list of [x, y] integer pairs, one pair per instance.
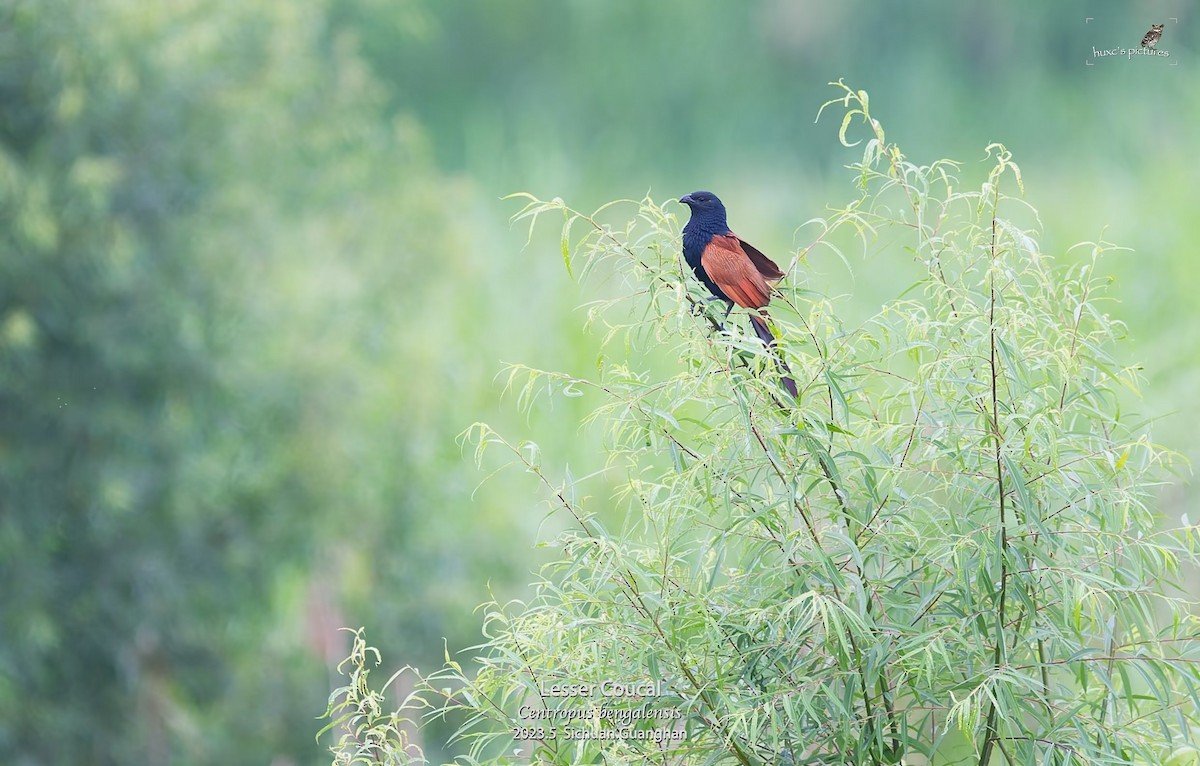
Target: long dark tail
{"points": [[759, 323]]}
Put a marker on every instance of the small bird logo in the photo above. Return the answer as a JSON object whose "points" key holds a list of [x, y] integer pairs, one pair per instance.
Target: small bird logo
{"points": [[1152, 37]]}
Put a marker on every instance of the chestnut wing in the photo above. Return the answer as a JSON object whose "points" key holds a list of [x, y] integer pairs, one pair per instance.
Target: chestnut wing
{"points": [[736, 273], [765, 265]]}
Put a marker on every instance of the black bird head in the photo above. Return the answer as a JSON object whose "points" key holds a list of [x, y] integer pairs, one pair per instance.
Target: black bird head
{"points": [[705, 206], [702, 200]]}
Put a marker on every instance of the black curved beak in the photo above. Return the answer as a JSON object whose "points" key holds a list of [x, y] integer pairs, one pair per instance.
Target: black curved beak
{"points": [[686, 199]]}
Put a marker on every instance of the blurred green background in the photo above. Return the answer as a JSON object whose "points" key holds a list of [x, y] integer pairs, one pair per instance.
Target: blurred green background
{"points": [[256, 277]]}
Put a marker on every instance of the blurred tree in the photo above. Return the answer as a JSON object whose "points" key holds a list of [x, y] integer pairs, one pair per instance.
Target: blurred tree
{"points": [[225, 351], [151, 501]]}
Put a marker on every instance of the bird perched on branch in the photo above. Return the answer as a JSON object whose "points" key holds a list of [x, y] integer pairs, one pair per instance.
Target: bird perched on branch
{"points": [[733, 270]]}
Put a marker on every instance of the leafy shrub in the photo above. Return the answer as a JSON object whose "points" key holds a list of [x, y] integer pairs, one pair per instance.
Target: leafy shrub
{"points": [[943, 552]]}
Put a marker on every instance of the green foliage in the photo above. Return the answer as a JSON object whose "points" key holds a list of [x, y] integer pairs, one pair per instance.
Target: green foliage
{"points": [[157, 490], [103, 367], [943, 552], [368, 734], [253, 280], [225, 346]]}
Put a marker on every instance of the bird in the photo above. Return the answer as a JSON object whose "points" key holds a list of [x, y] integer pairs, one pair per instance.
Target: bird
{"points": [[732, 269], [1152, 37]]}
